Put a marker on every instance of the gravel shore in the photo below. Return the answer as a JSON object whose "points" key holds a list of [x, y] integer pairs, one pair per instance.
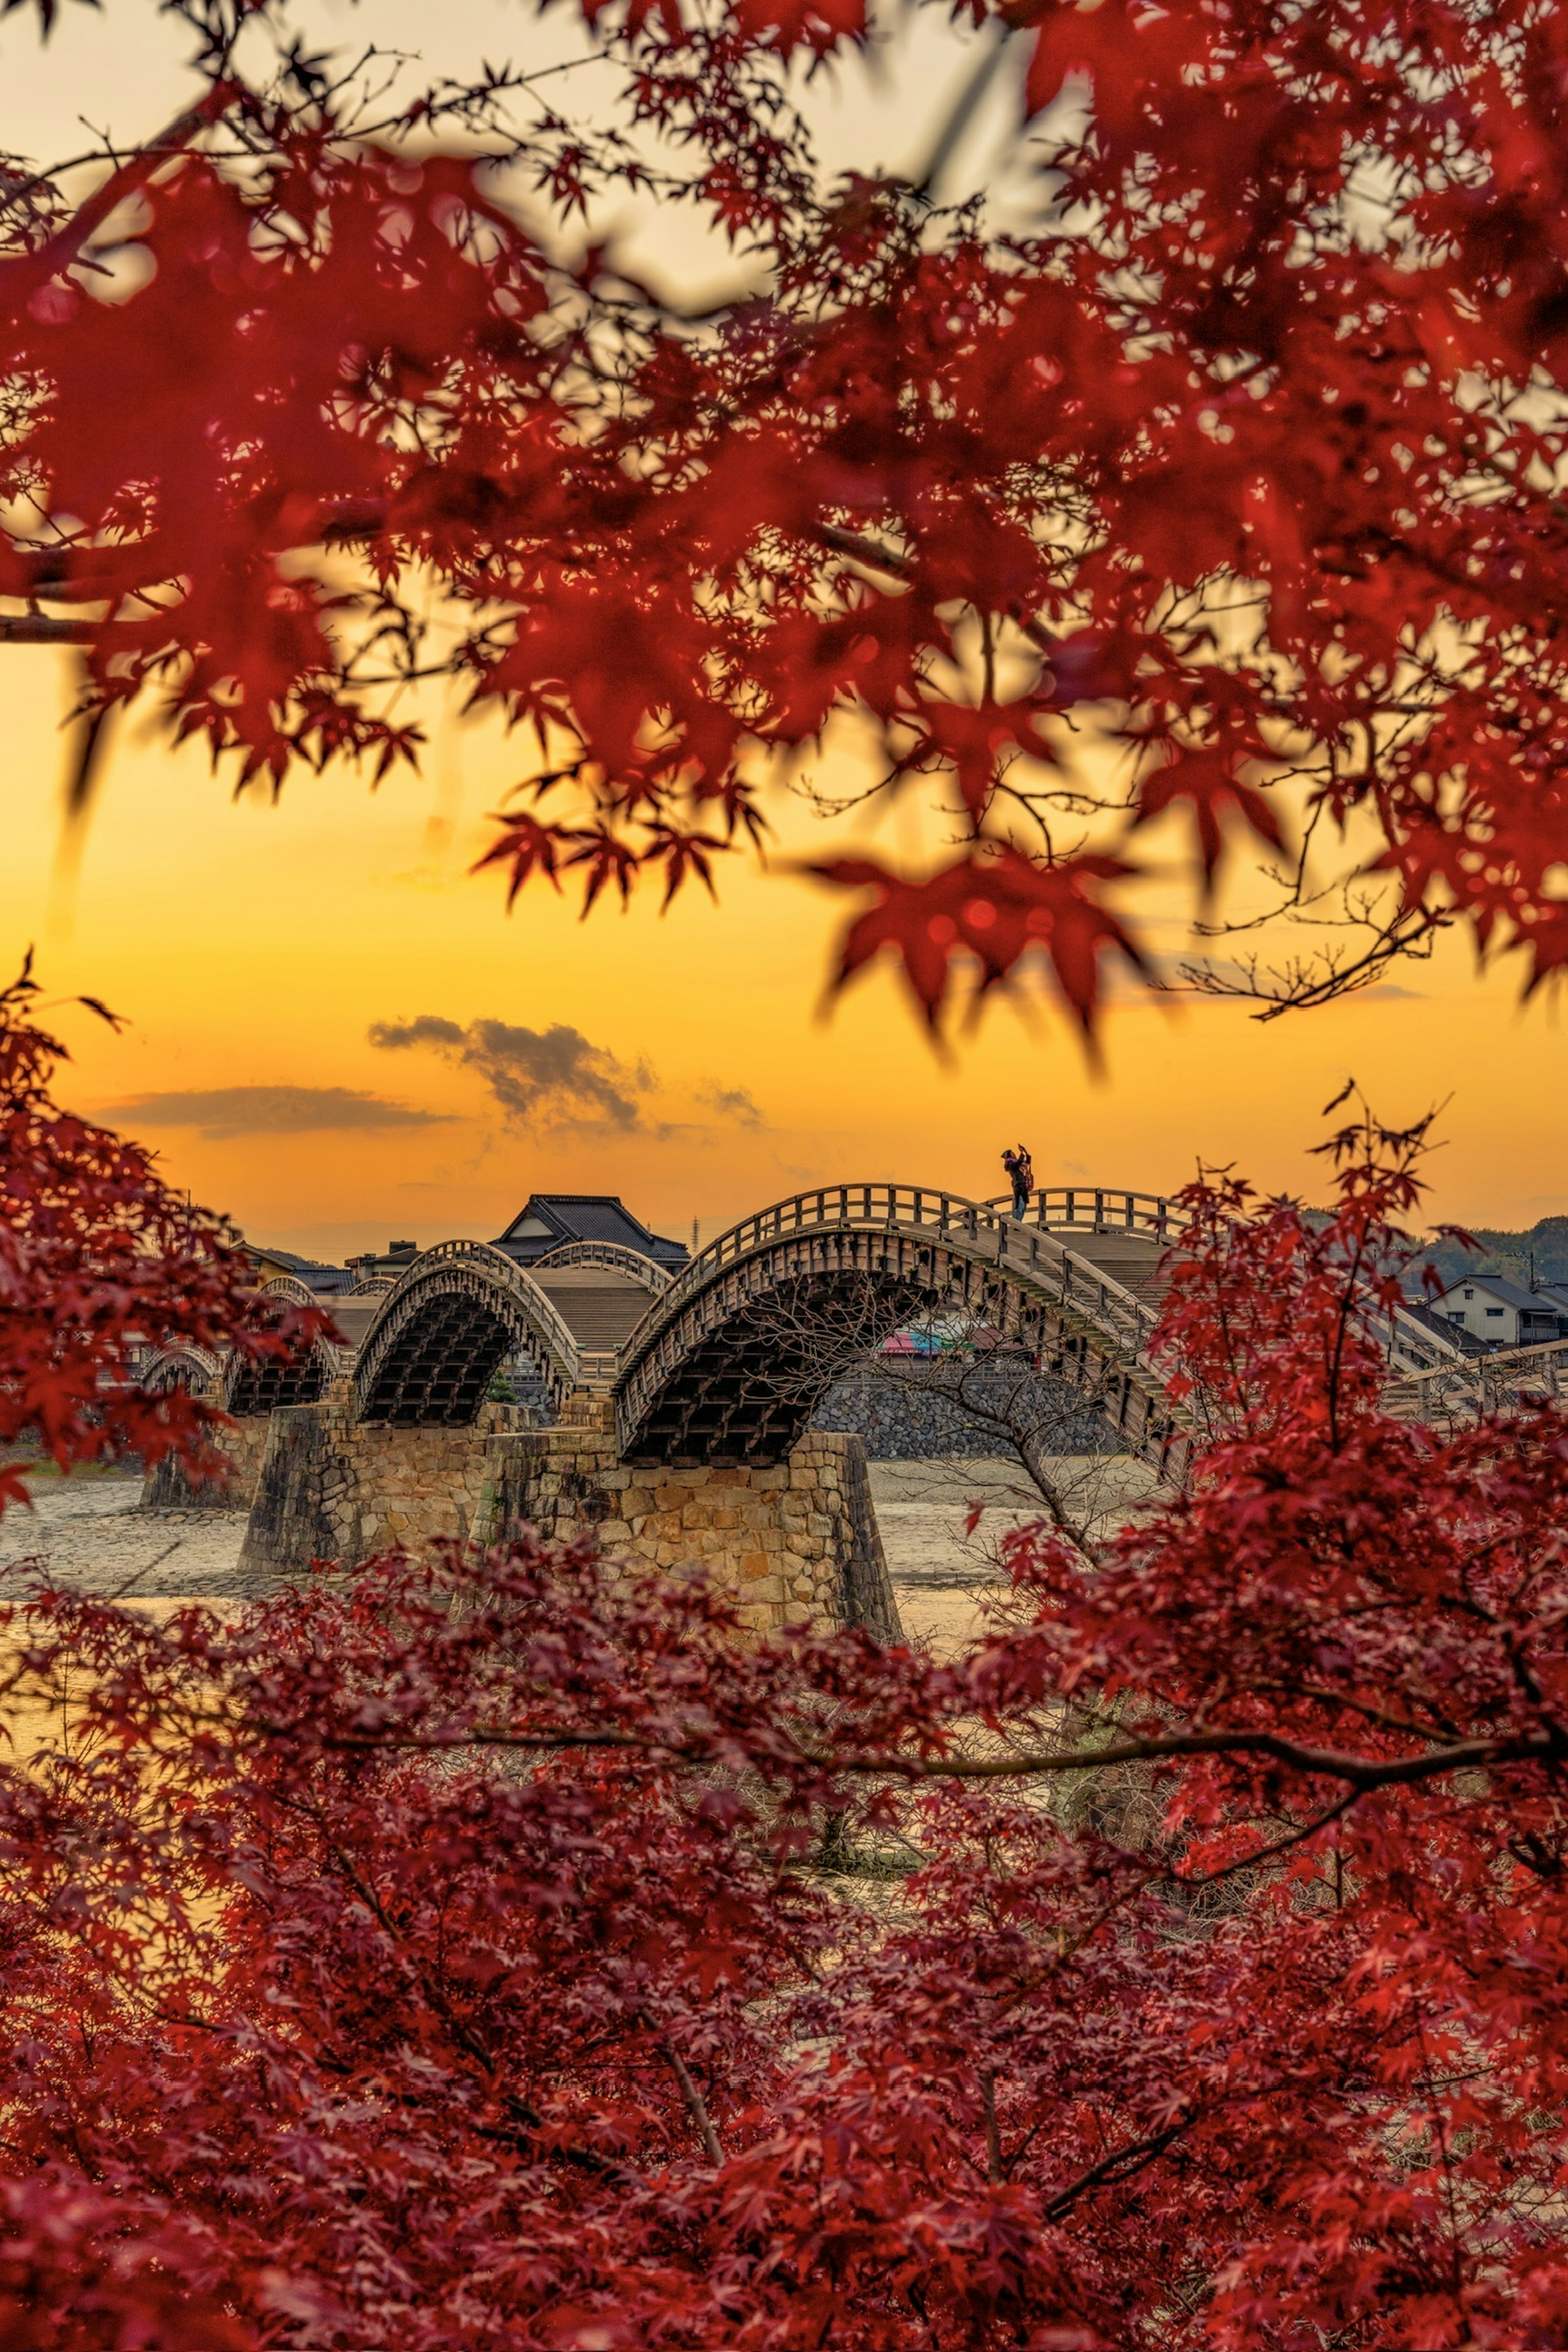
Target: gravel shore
{"points": [[87, 1534]]}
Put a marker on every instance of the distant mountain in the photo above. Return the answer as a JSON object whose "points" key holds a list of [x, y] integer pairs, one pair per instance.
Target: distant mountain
{"points": [[1497, 1252]]}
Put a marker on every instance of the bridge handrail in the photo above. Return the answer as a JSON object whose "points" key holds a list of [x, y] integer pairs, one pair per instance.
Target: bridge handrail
{"points": [[288, 1287], [208, 1363], [1110, 1209], [904, 1208], [1501, 1359], [1102, 1208], [551, 1327], [613, 1254]]}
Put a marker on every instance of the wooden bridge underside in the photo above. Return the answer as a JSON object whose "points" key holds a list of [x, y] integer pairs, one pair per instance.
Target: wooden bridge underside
{"points": [[735, 1374]]}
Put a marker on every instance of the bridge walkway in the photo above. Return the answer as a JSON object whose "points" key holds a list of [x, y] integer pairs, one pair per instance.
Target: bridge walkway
{"points": [[600, 1306]]}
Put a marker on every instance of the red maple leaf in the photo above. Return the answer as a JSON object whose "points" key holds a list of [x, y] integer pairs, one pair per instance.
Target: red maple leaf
{"points": [[991, 908]]}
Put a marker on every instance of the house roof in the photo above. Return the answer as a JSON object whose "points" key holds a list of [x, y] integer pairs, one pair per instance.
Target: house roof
{"points": [[548, 1219], [311, 1271], [1512, 1294]]}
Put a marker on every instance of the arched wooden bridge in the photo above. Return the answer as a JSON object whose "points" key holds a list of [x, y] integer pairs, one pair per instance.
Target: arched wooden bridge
{"points": [[443, 1330], [727, 1365], [727, 1361], [241, 1386]]}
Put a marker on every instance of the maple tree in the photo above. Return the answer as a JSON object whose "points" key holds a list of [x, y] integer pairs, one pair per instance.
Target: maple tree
{"points": [[102, 1266], [1241, 444], [495, 1949]]}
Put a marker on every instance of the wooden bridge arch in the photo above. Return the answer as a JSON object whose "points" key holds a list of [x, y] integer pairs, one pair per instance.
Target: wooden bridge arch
{"points": [[181, 1365], [704, 1378], [612, 1256], [444, 1328], [252, 1387]]}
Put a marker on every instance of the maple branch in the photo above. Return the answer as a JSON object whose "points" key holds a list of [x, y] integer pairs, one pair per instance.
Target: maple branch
{"points": [[46, 629], [65, 246], [1276, 1847], [1301, 983], [863, 550], [465, 2039], [1113, 2169], [695, 2105], [1362, 1773], [995, 2170]]}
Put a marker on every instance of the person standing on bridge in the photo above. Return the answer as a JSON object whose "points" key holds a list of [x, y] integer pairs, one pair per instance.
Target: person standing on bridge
{"points": [[1021, 1176]]}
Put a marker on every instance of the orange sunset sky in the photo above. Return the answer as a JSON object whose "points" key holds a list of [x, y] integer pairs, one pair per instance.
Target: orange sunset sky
{"points": [[251, 946]]}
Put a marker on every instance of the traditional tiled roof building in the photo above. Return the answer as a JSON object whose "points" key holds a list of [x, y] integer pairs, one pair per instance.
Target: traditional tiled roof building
{"points": [[546, 1219]]}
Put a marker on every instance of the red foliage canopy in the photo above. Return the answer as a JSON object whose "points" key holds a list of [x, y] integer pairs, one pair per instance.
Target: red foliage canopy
{"points": [[101, 1263], [461, 1954], [1250, 453]]}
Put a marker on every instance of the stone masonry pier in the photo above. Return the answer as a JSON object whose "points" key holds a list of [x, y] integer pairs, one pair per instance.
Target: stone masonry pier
{"points": [[333, 1486], [242, 1446], [795, 1541]]}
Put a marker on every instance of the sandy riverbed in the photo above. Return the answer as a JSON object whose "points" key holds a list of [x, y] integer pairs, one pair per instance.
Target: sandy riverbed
{"points": [[88, 1534]]}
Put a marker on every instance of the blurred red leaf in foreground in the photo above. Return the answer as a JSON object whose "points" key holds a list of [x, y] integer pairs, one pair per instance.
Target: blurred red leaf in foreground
{"points": [[1239, 448], [101, 1263]]}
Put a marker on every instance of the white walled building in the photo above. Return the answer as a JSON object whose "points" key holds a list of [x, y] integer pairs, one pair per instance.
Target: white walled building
{"points": [[1502, 1314]]}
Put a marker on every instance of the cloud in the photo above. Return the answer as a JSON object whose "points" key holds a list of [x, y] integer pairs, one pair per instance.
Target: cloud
{"points": [[550, 1077], [732, 1103], [221, 1112], [557, 1077]]}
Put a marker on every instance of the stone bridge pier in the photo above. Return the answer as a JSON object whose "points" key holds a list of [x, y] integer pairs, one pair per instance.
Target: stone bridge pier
{"points": [[795, 1541]]}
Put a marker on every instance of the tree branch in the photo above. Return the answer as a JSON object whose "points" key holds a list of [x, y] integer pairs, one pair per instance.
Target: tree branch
{"points": [[695, 2105], [1112, 2169], [1360, 1772], [23, 272], [46, 629]]}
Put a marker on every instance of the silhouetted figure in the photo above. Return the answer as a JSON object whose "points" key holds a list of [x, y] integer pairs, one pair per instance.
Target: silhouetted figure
{"points": [[1021, 1176]]}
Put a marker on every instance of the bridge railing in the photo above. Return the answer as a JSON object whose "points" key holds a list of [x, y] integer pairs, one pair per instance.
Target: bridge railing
{"points": [[1031, 1252], [855, 1207], [1490, 1382], [1098, 1208], [613, 1255], [1086, 1286], [1411, 1344]]}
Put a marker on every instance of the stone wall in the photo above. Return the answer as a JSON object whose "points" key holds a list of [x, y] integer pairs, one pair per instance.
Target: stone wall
{"points": [[909, 1414], [331, 1487], [798, 1543], [165, 1487]]}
